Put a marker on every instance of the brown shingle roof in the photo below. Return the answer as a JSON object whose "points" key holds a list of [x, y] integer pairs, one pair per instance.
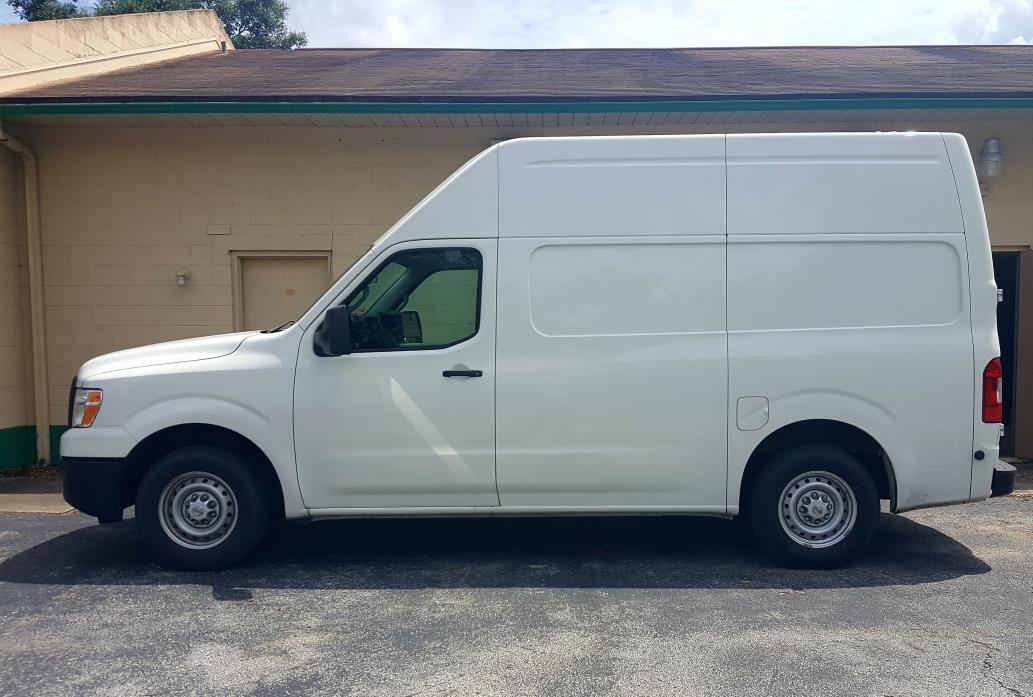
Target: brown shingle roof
{"points": [[459, 75]]}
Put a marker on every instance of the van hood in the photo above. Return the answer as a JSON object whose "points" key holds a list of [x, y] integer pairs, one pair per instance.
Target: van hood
{"points": [[199, 349]]}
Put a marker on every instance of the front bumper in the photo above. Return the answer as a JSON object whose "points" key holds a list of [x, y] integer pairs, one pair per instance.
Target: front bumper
{"points": [[1003, 482], [95, 486]]}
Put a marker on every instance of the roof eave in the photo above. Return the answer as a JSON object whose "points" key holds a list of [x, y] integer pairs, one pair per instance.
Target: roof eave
{"points": [[11, 108]]}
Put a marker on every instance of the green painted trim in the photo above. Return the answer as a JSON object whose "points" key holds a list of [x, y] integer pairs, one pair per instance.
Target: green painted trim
{"points": [[85, 108], [17, 447]]}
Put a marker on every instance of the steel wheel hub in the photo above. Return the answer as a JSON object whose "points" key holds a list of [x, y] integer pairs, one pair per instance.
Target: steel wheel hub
{"points": [[818, 509], [197, 510]]}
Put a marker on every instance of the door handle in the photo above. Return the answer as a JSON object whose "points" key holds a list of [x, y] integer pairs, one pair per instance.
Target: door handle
{"points": [[462, 373]]}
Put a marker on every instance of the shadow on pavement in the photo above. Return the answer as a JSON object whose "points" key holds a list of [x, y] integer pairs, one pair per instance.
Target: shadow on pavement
{"points": [[644, 552]]}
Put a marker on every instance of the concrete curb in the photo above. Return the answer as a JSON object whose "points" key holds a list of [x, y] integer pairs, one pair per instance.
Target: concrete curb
{"points": [[33, 503]]}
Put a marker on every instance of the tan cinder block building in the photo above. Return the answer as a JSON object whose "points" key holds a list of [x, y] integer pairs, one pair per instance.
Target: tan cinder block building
{"points": [[200, 190]]}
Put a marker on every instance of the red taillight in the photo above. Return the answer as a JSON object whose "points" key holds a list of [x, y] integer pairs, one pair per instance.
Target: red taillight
{"points": [[993, 402]]}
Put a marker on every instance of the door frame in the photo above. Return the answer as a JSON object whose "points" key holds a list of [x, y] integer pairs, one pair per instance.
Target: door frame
{"points": [[1014, 293], [237, 272]]}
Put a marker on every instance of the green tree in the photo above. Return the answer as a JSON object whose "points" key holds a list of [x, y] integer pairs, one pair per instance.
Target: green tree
{"points": [[250, 23], [32, 10]]}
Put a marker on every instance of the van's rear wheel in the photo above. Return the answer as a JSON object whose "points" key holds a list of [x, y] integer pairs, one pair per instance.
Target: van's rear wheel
{"points": [[814, 507], [201, 507]]}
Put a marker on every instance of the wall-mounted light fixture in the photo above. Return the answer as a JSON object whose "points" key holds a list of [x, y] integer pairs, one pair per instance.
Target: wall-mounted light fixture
{"points": [[182, 276], [990, 158]]}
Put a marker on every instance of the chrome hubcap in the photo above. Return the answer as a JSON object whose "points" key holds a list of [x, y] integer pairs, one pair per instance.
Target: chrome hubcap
{"points": [[819, 509], [197, 510]]}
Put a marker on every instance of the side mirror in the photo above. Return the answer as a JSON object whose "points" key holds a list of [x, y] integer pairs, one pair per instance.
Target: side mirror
{"points": [[334, 335]]}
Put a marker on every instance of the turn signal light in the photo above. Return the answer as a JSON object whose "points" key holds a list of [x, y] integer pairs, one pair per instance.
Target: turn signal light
{"points": [[86, 407]]}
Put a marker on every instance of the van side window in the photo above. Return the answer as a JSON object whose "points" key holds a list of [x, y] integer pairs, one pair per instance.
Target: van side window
{"points": [[418, 299]]}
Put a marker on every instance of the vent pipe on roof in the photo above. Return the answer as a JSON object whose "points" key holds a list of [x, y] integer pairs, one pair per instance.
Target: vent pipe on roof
{"points": [[30, 171]]}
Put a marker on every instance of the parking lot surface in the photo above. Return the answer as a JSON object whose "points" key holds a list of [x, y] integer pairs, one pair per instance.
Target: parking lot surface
{"points": [[940, 604]]}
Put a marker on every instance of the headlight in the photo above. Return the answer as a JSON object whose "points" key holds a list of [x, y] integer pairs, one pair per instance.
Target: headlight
{"points": [[85, 407]]}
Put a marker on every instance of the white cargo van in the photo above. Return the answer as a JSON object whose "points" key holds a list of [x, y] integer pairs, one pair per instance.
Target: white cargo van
{"points": [[783, 327]]}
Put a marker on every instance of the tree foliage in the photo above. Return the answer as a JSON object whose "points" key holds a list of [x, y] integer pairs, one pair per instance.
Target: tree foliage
{"points": [[250, 23], [32, 10]]}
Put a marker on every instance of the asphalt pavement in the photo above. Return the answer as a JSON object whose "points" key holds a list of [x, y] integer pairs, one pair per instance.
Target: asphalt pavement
{"points": [[940, 604]]}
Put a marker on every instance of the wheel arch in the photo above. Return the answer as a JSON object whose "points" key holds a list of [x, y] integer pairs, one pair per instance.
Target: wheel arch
{"points": [[828, 432], [145, 453]]}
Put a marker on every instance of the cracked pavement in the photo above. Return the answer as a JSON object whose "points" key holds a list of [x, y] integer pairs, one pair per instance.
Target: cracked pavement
{"points": [[939, 604]]}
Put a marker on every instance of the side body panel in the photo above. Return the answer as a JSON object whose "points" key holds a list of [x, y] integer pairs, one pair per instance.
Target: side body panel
{"points": [[611, 345], [848, 299]]}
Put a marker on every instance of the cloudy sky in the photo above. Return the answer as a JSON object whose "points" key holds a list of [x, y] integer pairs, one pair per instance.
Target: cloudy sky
{"points": [[615, 23]]}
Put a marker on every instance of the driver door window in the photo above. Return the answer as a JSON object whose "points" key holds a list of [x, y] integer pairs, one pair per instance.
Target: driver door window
{"points": [[418, 299]]}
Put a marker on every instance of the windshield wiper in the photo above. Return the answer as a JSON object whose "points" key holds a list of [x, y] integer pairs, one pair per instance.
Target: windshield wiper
{"points": [[280, 328]]}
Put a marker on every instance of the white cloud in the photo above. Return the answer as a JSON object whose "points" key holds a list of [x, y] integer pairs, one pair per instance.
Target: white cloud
{"points": [[1004, 22], [621, 23]]}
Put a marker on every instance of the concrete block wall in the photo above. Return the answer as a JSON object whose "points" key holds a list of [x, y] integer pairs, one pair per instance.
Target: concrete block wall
{"points": [[1008, 199], [123, 208]]}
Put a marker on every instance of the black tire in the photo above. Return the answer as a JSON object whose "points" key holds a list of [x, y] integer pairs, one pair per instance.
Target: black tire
{"points": [[800, 546], [235, 485]]}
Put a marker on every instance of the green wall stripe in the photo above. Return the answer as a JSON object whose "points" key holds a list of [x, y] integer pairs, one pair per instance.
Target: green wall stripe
{"points": [[158, 107], [17, 446]]}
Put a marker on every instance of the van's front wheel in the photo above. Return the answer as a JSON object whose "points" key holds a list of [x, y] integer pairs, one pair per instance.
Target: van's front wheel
{"points": [[814, 507], [200, 507]]}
